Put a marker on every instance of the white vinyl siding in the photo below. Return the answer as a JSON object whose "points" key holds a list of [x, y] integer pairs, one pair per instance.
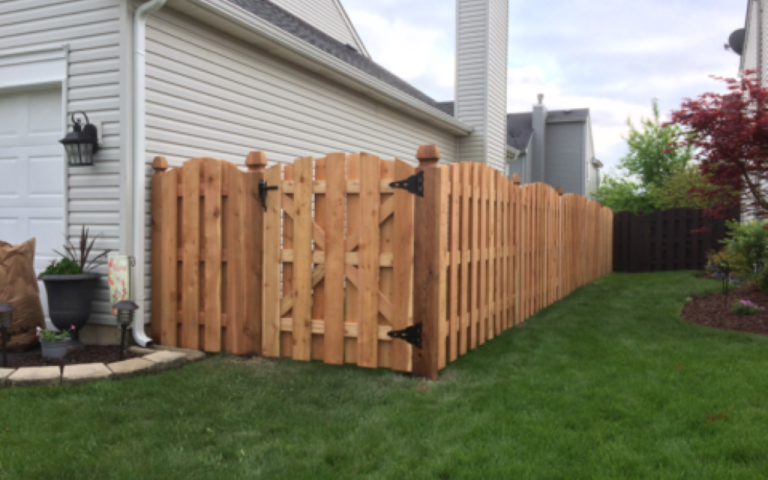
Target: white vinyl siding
{"points": [[325, 15], [565, 156], [92, 29], [481, 79]]}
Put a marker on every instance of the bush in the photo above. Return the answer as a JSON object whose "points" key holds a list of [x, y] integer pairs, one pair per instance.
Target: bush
{"points": [[745, 307], [750, 242], [725, 255], [65, 266]]}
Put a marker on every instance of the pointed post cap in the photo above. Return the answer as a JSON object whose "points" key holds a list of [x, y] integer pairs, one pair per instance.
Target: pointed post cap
{"points": [[516, 178], [559, 191], [256, 161], [159, 164], [428, 156]]}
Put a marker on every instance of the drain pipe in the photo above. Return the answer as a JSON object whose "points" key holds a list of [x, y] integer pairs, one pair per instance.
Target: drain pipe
{"points": [[139, 161]]}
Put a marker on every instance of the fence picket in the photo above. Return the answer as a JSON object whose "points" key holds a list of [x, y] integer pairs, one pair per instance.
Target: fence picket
{"points": [[190, 246], [211, 170], [402, 315], [333, 346], [368, 258], [302, 267], [271, 290]]}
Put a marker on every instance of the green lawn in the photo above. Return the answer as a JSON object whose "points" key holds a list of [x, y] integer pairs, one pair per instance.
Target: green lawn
{"points": [[608, 383]]}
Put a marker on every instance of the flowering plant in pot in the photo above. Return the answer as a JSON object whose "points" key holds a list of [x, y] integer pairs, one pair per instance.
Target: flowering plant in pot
{"points": [[71, 283], [54, 344]]}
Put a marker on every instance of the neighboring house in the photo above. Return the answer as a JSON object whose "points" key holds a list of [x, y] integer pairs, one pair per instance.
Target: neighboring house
{"points": [[191, 78], [554, 147], [750, 43]]}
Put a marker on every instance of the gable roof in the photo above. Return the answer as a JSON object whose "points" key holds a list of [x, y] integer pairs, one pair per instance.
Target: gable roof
{"points": [[297, 27], [519, 130]]}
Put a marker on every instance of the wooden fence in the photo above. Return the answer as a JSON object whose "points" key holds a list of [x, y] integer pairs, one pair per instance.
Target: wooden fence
{"points": [[338, 258], [676, 239]]}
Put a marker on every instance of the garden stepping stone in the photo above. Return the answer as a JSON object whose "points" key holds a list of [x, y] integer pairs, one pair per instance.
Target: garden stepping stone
{"points": [[131, 367], [85, 373], [4, 374], [166, 359], [192, 355], [27, 376]]}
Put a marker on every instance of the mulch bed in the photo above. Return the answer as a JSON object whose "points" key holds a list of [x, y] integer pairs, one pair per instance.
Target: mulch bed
{"points": [[709, 311], [85, 354]]}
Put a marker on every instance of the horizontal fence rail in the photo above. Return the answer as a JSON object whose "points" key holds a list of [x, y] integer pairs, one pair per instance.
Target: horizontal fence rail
{"points": [[323, 259]]}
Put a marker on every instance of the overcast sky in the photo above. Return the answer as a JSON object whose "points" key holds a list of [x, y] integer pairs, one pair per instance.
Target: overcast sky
{"points": [[612, 57]]}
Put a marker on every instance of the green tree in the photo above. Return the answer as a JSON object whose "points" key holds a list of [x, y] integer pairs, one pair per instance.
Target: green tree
{"points": [[652, 159], [652, 155], [623, 195], [685, 188]]}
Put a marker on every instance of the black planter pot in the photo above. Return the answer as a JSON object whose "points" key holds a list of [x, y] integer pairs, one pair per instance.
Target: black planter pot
{"points": [[69, 299]]}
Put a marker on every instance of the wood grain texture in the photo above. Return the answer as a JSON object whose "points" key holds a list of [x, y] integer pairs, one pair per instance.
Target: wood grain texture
{"points": [[368, 251], [212, 261], [353, 221], [166, 268], [271, 274], [335, 202], [303, 170], [402, 315], [190, 245], [254, 251], [236, 340]]}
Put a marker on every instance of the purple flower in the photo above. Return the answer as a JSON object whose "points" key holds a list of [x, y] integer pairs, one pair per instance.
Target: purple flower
{"points": [[72, 327]]}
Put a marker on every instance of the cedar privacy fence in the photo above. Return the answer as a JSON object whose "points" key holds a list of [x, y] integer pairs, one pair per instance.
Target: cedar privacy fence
{"points": [[325, 260], [675, 239]]}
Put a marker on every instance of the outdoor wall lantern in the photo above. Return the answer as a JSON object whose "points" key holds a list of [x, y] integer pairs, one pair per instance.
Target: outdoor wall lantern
{"points": [[723, 273], [81, 143], [6, 318], [124, 311]]}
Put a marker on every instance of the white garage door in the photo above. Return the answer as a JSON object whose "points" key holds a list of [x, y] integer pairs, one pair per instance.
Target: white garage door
{"points": [[32, 172]]}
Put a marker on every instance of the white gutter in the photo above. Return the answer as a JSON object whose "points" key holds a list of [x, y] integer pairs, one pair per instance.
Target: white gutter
{"points": [[206, 11], [139, 161]]}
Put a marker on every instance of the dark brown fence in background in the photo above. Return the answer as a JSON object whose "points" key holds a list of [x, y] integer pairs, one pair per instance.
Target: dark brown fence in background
{"points": [[664, 240]]}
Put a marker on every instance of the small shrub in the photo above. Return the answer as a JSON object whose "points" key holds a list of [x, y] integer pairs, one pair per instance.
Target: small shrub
{"points": [[762, 280], [745, 307], [750, 241], [65, 266], [734, 259]]}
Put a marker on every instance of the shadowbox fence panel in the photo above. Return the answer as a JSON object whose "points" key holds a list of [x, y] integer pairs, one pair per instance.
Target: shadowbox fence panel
{"points": [[675, 239], [338, 258]]}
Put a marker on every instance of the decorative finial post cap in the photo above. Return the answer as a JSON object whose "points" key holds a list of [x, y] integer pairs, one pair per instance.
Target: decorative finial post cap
{"points": [[428, 156], [159, 164], [256, 161], [559, 191], [516, 178]]}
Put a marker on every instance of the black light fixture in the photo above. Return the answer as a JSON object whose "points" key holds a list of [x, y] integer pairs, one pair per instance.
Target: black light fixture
{"points": [[723, 273], [6, 319], [81, 143], [124, 311]]}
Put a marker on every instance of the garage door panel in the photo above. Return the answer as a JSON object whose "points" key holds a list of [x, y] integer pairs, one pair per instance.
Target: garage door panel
{"points": [[32, 173], [10, 170], [46, 177]]}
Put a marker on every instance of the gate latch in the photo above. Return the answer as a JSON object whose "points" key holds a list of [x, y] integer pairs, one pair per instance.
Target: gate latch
{"points": [[263, 189], [410, 334], [413, 184]]}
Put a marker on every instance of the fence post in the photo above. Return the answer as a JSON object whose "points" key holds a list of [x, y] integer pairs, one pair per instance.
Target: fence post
{"points": [[430, 239], [254, 248], [159, 165]]}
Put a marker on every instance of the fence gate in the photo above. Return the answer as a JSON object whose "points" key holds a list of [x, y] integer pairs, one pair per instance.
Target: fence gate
{"points": [[345, 252]]}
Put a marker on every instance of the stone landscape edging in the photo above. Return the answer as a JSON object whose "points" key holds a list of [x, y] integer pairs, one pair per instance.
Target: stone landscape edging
{"points": [[153, 360]]}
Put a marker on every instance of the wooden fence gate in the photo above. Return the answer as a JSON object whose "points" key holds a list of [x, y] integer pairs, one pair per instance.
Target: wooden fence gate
{"points": [[322, 259]]}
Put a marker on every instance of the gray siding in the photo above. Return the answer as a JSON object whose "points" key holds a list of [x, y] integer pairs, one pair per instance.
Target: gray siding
{"points": [[326, 15], [565, 156], [592, 179], [481, 79], [94, 31]]}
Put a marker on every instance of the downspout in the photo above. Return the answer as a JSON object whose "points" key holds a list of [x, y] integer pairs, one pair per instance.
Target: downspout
{"points": [[139, 160]]}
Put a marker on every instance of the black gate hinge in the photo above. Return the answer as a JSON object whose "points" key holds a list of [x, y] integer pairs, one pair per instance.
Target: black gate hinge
{"points": [[413, 184], [410, 334], [263, 189]]}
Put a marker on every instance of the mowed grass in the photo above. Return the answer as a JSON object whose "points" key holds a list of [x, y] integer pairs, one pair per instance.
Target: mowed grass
{"points": [[607, 383]]}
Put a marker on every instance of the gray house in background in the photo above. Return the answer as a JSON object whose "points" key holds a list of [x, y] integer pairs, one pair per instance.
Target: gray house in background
{"points": [[554, 147]]}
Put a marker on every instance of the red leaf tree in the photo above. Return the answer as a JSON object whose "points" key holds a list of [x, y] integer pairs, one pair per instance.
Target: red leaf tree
{"points": [[729, 132]]}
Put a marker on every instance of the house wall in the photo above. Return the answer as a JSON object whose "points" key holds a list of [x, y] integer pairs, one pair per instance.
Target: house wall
{"points": [[565, 156], [326, 15], [94, 31], [592, 179], [481, 79]]}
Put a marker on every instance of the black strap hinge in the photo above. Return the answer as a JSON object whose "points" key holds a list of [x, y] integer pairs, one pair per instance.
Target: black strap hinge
{"points": [[263, 189], [413, 184], [410, 334]]}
